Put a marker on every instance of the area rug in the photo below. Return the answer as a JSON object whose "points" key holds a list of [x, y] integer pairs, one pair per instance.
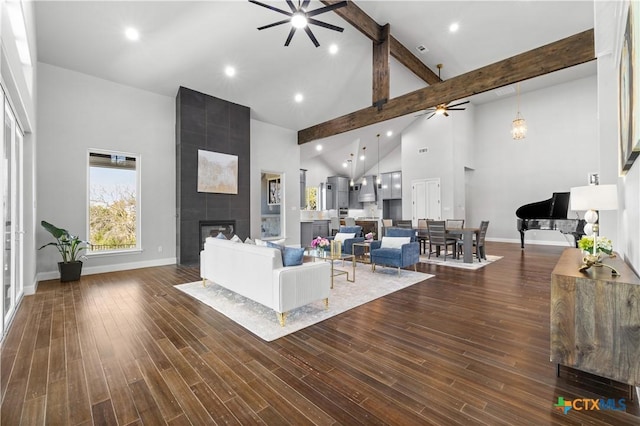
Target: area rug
{"points": [[458, 263], [345, 295]]}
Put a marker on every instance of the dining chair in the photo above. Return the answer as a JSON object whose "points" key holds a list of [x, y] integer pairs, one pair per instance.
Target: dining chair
{"points": [[349, 221], [423, 235], [438, 237], [455, 223], [404, 224], [386, 224]]}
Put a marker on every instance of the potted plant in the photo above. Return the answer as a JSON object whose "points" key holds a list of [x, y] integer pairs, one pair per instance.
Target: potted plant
{"points": [[70, 248]]}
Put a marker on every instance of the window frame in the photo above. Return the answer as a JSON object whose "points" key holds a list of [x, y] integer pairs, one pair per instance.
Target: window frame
{"points": [[138, 159]]}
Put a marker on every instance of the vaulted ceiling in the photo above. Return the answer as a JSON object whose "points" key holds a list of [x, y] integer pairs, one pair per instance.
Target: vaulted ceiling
{"points": [[190, 43]]}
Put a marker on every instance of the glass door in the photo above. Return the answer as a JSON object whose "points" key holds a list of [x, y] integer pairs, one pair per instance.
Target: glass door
{"points": [[8, 259]]}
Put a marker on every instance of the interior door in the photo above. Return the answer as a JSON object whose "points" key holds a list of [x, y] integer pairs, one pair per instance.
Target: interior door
{"points": [[425, 201]]}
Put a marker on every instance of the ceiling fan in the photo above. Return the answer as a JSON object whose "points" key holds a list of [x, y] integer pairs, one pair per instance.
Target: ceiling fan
{"points": [[300, 18], [442, 109]]}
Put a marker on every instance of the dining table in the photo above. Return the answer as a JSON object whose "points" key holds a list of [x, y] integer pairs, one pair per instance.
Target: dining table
{"points": [[467, 241]]}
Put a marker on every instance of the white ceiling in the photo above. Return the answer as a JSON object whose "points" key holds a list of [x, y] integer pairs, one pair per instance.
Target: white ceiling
{"points": [[189, 44]]}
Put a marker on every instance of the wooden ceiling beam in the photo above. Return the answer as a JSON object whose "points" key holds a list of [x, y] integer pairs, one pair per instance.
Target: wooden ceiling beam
{"points": [[371, 29], [568, 52], [381, 75]]}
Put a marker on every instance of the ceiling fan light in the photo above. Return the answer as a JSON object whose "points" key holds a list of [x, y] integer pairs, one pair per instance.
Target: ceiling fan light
{"points": [[299, 20], [440, 109]]}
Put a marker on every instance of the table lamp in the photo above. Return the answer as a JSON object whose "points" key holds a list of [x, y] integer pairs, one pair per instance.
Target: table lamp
{"points": [[593, 198]]}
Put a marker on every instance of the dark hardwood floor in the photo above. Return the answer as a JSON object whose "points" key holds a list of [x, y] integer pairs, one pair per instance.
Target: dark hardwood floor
{"points": [[461, 348]]}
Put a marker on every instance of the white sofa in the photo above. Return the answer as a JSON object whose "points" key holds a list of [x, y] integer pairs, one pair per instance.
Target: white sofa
{"points": [[257, 273]]}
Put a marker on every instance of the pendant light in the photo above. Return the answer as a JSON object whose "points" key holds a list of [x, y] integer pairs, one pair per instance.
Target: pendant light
{"points": [[378, 178], [364, 166], [351, 162], [519, 125]]}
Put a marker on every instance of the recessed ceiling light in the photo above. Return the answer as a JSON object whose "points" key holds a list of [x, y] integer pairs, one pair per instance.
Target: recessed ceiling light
{"points": [[389, 133], [298, 97], [454, 27], [230, 71], [344, 164], [132, 34], [333, 49], [362, 158], [318, 147]]}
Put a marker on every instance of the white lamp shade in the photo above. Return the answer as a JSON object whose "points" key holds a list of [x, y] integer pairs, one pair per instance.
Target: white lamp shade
{"points": [[594, 197]]}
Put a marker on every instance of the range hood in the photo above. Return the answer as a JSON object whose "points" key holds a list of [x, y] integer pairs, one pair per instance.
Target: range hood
{"points": [[368, 192]]}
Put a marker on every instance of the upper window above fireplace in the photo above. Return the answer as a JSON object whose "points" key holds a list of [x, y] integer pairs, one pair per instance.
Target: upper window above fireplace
{"points": [[114, 184]]}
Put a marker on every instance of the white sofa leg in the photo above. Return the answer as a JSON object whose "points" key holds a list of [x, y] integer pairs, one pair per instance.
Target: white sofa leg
{"points": [[282, 317], [326, 303], [204, 282]]}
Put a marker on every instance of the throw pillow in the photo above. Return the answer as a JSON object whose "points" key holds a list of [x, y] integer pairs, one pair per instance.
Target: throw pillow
{"points": [[260, 242], [292, 256], [221, 236], [394, 242], [236, 239], [276, 246], [249, 241], [341, 236]]}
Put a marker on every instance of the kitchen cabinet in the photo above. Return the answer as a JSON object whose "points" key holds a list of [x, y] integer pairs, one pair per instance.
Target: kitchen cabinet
{"points": [[385, 186], [396, 185], [391, 186], [340, 185], [353, 197], [303, 189]]}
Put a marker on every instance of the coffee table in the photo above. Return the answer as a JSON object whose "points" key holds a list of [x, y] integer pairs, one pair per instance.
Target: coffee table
{"points": [[327, 256]]}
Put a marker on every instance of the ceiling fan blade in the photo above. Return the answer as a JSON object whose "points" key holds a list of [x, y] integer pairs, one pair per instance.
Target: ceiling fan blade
{"points": [[291, 33], [432, 114], [327, 8], [292, 6], [456, 109], [275, 9], [286, 21], [305, 3], [325, 25], [455, 105], [445, 114], [311, 36]]}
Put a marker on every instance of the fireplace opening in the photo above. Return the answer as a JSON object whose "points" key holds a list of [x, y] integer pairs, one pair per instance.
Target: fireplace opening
{"points": [[211, 228]]}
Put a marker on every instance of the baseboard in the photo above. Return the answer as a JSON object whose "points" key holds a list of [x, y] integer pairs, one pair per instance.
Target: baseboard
{"points": [[90, 270], [30, 288]]}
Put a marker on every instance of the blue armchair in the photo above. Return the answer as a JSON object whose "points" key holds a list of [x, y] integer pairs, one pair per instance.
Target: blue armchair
{"points": [[405, 255], [347, 244]]}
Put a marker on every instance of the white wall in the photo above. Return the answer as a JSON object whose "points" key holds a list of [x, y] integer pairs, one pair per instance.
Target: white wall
{"points": [[625, 223], [560, 150], [77, 112], [437, 135], [275, 149]]}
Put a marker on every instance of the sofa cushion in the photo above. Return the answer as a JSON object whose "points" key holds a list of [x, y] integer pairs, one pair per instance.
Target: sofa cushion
{"points": [[221, 236], [292, 256], [249, 241], [394, 242], [236, 239], [341, 236]]}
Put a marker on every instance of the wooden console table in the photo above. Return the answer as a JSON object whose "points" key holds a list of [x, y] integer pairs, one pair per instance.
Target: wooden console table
{"points": [[595, 318]]}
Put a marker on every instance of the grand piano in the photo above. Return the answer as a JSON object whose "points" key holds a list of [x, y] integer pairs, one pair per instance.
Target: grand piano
{"points": [[549, 214]]}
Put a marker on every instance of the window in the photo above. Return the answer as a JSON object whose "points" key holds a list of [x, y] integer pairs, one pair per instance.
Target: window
{"points": [[113, 202]]}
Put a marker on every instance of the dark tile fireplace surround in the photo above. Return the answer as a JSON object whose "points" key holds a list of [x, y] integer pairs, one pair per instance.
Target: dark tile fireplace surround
{"points": [[208, 123]]}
